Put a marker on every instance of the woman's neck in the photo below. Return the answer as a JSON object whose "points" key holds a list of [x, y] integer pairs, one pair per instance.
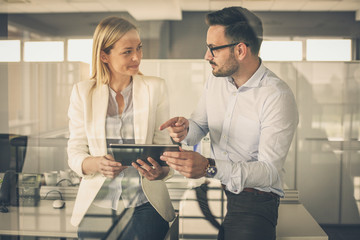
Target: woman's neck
{"points": [[118, 84]]}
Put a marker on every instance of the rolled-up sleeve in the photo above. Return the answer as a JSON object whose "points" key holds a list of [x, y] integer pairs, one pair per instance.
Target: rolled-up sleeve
{"points": [[278, 123]]}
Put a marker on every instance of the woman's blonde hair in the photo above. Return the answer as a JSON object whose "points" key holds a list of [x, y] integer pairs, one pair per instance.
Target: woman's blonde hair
{"points": [[106, 34]]}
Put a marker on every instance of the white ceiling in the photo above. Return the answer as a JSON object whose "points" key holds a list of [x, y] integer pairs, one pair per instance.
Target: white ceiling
{"points": [[171, 9]]}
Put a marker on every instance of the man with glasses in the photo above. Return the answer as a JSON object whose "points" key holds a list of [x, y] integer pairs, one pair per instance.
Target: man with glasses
{"points": [[251, 116]]}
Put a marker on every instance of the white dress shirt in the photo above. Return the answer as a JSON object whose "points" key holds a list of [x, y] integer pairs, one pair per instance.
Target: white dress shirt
{"points": [[251, 129]]}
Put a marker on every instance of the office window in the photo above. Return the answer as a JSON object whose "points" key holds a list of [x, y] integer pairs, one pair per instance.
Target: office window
{"points": [[80, 50], [10, 51], [328, 49], [281, 51], [44, 51]]}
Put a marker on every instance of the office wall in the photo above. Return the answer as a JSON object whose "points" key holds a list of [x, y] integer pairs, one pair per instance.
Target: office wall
{"points": [[37, 103], [328, 157], [186, 39]]}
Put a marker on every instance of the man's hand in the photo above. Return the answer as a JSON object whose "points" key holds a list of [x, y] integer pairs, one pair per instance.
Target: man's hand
{"points": [[177, 127], [154, 172], [188, 163]]}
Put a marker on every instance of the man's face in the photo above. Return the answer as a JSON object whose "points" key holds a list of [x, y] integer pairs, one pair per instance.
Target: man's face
{"points": [[223, 62]]}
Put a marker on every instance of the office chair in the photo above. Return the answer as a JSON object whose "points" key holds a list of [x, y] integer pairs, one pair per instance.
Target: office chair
{"points": [[12, 156], [12, 152], [20, 144]]}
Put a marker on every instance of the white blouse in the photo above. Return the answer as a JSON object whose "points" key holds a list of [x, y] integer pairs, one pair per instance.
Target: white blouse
{"points": [[120, 129]]}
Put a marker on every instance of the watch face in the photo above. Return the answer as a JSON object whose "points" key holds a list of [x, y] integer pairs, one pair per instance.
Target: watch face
{"points": [[211, 171]]}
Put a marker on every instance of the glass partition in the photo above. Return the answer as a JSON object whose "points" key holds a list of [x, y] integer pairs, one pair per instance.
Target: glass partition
{"points": [[325, 93], [326, 142]]}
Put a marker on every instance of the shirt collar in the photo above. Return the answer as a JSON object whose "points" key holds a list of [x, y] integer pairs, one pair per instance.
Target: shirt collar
{"points": [[255, 79]]}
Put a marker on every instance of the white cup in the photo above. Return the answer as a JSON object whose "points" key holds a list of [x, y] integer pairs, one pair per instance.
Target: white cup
{"points": [[65, 174], [65, 177], [51, 178]]}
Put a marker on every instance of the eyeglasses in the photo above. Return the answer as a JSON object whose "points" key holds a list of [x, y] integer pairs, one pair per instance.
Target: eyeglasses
{"points": [[212, 49]]}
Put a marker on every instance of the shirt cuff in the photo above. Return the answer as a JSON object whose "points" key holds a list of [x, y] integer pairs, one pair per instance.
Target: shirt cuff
{"points": [[226, 175], [191, 135]]}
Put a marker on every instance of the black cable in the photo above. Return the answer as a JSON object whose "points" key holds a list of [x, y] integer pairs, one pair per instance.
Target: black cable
{"points": [[65, 179], [61, 197], [201, 195]]}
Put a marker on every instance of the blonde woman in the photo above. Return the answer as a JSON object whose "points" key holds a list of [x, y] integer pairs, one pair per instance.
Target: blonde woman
{"points": [[119, 105]]}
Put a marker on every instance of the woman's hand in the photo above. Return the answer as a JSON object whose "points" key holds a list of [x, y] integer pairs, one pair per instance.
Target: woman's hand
{"points": [[108, 167], [154, 172]]}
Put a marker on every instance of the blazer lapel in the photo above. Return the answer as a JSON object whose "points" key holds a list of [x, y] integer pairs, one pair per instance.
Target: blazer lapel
{"points": [[141, 108], [100, 101]]}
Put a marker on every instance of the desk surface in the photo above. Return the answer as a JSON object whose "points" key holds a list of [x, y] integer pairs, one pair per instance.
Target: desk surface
{"points": [[41, 221], [294, 221]]}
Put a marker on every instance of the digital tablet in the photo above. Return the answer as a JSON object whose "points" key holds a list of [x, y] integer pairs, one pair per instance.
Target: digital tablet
{"points": [[128, 153]]}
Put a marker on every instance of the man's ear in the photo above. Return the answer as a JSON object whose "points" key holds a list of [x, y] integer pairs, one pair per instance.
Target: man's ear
{"points": [[104, 57], [241, 51]]}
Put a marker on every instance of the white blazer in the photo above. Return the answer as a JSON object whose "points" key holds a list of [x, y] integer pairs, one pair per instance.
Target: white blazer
{"points": [[87, 114]]}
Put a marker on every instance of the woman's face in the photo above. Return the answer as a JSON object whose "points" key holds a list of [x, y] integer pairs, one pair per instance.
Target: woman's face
{"points": [[124, 59]]}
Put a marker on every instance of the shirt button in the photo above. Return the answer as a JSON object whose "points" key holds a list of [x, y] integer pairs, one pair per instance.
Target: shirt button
{"points": [[224, 153], [234, 94]]}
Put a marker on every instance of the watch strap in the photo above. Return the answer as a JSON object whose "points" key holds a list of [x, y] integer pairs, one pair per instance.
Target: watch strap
{"points": [[211, 162]]}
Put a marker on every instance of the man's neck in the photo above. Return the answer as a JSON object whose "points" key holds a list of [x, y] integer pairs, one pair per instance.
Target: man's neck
{"points": [[246, 71]]}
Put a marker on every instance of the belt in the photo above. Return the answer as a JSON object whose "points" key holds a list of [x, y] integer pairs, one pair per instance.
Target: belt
{"points": [[253, 190]]}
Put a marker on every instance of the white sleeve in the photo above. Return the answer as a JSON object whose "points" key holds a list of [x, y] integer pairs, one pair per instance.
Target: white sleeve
{"points": [[198, 122], [279, 120], [77, 145]]}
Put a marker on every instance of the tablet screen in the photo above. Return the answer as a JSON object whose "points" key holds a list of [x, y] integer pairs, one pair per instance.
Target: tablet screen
{"points": [[128, 153]]}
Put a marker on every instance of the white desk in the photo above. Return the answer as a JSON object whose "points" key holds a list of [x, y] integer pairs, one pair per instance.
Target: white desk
{"points": [[45, 221], [41, 221], [294, 221]]}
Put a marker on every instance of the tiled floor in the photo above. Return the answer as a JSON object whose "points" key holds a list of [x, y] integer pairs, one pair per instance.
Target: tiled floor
{"points": [[342, 232]]}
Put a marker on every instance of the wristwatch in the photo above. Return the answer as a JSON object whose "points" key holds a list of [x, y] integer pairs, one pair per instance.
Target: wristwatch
{"points": [[211, 169]]}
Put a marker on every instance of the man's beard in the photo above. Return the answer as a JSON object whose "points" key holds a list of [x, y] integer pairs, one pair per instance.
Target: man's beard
{"points": [[228, 69]]}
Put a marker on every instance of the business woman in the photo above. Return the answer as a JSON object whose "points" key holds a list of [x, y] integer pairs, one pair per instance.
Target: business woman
{"points": [[119, 105]]}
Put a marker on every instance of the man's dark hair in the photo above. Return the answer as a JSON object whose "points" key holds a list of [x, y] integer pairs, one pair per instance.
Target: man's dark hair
{"points": [[241, 25]]}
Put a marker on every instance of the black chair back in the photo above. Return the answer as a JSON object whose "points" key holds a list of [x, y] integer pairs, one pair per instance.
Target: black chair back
{"points": [[12, 152]]}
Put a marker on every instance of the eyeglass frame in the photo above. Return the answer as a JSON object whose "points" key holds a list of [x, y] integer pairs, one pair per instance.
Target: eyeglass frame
{"points": [[211, 49]]}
